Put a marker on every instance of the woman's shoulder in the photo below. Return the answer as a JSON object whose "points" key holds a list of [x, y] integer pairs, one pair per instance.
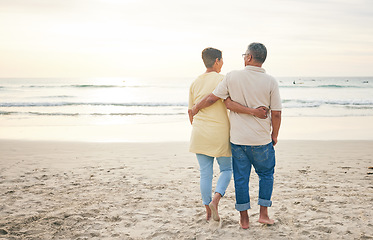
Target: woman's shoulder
{"points": [[216, 76]]}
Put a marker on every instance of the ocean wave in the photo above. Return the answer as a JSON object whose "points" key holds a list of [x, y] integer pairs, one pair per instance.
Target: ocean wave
{"points": [[61, 104], [288, 103], [366, 85], [339, 86], [359, 107], [12, 114], [58, 96], [72, 86], [7, 113], [296, 103], [84, 86], [325, 86], [88, 114]]}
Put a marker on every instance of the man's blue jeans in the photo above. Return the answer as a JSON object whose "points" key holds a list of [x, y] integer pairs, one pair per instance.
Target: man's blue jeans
{"points": [[263, 159], [206, 172]]}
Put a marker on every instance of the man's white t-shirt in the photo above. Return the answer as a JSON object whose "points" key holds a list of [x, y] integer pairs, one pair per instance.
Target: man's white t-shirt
{"points": [[251, 87]]}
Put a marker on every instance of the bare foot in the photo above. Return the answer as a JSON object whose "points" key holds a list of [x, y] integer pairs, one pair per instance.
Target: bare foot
{"points": [[244, 225], [208, 213], [244, 220], [267, 221], [263, 216], [214, 211]]}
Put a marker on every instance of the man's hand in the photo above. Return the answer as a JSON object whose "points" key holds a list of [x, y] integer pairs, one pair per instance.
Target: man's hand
{"points": [[207, 101], [276, 122], [194, 111], [274, 140], [190, 116], [191, 113]]}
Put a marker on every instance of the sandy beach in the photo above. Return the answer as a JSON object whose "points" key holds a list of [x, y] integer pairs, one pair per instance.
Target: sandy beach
{"points": [[70, 190]]}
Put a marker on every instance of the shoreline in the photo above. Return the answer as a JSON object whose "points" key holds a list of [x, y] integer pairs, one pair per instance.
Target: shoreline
{"points": [[292, 128], [80, 190]]}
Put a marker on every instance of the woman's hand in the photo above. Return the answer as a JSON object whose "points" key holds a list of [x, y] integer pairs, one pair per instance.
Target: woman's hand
{"points": [[228, 102], [261, 112]]}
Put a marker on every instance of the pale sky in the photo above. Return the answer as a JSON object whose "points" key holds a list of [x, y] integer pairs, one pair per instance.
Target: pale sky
{"points": [[164, 38]]}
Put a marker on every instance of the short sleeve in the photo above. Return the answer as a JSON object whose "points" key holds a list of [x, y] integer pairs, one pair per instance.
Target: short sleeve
{"points": [[276, 104], [221, 90], [191, 101]]}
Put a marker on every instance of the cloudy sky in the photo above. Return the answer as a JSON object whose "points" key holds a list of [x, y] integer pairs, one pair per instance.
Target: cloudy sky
{"points": [[164, 38]]}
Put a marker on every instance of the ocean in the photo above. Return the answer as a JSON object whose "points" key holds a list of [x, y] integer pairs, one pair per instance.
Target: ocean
{"points": [[42, 102]]}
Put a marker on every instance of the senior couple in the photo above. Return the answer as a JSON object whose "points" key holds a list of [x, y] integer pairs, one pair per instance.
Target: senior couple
{"points": [[241, 140]]}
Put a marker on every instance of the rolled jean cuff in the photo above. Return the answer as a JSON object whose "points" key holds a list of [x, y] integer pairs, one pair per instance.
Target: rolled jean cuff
{"points": [[264, 203], [206, 203], [220, 192], [243, 207]]}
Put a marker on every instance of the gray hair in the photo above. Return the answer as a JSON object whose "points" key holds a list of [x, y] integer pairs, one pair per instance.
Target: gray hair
{"points": [[258, 51]]}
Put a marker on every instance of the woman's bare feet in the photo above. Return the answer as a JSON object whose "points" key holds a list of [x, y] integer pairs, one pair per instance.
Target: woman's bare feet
{"points": [[208, 213], [244, 220], [214, 206], [214, 211]]}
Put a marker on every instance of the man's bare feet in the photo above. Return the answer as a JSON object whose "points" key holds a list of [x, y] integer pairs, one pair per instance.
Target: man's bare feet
{"points": [[263, 216], [214, 211], [267, 221], [244, 220]]}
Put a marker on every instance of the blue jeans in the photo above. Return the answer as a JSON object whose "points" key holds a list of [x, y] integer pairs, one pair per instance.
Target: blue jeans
{"points": [[206, 173], [263, 159]]}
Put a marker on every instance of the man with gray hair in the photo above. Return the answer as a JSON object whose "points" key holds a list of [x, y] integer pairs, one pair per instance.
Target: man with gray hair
{"points": [[252, 139]]}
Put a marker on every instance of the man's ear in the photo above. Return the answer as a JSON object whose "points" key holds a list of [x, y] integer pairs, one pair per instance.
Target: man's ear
{"points": [[248, 59]]}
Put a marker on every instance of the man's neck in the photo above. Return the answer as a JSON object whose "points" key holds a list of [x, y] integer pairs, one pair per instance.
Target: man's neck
{"points": [[208, 70], [254, 64]]}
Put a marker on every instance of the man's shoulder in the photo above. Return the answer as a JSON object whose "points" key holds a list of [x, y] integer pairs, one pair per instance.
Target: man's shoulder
{"points": [[272, 79], [270, 76], [235, 73]]}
